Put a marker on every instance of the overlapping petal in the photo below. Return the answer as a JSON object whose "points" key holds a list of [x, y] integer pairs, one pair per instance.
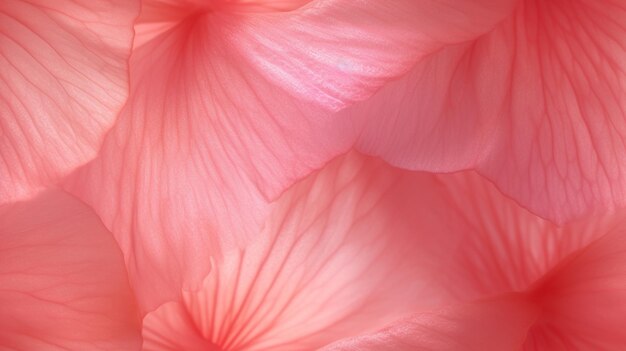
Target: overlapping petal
{"points": [[538, 105], [229, 106], [335, 52], [63, 281], [584, 299], [63, 81], [339, 255], [493, 325]]}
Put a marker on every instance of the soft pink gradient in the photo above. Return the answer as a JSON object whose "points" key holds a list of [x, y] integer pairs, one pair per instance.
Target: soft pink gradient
{"points": [[391, 259], [63, 80], [63, 284]]}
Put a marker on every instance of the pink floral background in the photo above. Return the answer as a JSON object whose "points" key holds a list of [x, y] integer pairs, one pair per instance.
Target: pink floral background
{"points": [[295, 175]]}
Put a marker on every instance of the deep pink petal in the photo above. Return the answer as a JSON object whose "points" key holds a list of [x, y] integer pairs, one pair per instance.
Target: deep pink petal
{"points": [[538, 105], [584, 298], [212, 126], [62, 83], [63, 281], [494, 325]]}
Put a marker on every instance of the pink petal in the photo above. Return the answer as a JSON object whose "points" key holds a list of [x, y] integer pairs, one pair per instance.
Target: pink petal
{"points": [[211, 128], [178, 177], [584, 299], [62, 83], [358, 245], [562, 145], [64, 285], [361, 244], [336, 258], [495, 325], [538, 105], [494, 245], [427, 120], [335, 52]]}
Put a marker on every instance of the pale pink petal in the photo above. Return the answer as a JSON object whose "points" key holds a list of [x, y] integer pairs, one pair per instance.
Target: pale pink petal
{"points": [[584, 299], [538, 105], [63, 281], [494, 325], [62, 83], [212, 127]]}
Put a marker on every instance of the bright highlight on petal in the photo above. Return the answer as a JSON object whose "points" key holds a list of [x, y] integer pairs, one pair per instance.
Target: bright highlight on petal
{"points": [[63, 281], [63, 81]]}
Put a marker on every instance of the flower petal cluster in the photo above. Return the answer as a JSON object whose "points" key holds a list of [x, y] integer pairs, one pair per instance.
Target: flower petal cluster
{"points": [[293, 175]]}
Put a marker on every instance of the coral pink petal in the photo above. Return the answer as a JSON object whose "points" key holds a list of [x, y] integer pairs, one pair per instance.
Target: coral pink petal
{"points": [[584, 298], [359, 244], [426, 120], [335, 52], [212, 127], [62, 83], [494, 325], [64, 284], [340, 254], [538, 105], [561, 152]]}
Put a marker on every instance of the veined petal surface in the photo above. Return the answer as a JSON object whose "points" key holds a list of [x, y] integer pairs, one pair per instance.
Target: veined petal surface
{"points": [[230, 104], [64, 78]]}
